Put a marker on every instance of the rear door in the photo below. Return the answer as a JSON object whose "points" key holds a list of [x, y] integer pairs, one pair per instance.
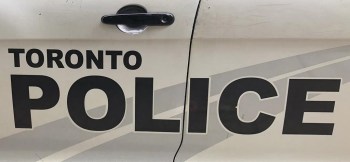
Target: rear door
{"points": [[73, 88], [269, 81]]}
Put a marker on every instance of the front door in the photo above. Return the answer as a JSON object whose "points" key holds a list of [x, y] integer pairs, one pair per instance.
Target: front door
{"points": [[77, 89]]}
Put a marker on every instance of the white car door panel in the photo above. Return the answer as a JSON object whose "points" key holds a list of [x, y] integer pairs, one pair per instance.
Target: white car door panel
{"points": [[70, 85], [268, 81]]}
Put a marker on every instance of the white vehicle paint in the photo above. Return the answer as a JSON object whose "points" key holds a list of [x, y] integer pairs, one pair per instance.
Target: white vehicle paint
{"points": [[276, 40], [186, 69], [76, 24]]}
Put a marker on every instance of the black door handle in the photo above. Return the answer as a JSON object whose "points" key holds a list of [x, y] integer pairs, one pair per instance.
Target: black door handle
{"points": [[139, 19], [134, 19]]}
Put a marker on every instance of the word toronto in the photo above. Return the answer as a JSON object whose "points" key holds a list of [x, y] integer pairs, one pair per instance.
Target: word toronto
{"points": [[75, 59], [296, 102]]}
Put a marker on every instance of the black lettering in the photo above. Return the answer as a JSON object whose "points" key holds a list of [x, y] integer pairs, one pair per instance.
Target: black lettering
{"points": [[68, 59], [126, 60], [197, 117], [22, 103], [29, 58], [114, 55], [116, 103], [16, 53], [297, 105], [144, 110], [98, 61], [228, 103], [57, 59]]}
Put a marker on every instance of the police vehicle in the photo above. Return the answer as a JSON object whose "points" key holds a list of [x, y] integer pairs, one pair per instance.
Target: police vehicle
{"points": [[175, 80]]}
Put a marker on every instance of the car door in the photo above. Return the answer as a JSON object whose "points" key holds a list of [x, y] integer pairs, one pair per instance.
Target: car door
{"points": [[75, 87], [269, 81]]}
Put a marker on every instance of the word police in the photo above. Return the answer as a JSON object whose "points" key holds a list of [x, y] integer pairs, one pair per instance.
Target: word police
{"points": [[296, 103], [75, 59]]}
